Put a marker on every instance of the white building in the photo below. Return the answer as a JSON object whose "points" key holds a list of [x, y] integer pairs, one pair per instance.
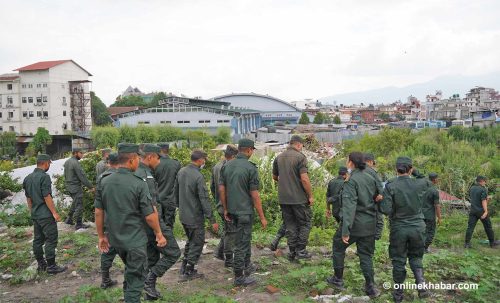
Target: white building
{"points": [[50, 94]]}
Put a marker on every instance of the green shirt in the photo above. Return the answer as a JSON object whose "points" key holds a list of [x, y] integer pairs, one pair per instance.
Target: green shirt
{"points": [[401, 204], [333, 194], [144, 172], [431, 199], [192, 196], [126, 201], [214, 184], [372, 172], [477, 194], [288, 166], [37, 186], [74, 176], [359, 211], [165, 174], [100, 168], [240, 177]]}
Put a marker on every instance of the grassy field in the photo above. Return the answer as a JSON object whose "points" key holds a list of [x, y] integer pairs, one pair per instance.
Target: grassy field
{"points": [[449, 263]]}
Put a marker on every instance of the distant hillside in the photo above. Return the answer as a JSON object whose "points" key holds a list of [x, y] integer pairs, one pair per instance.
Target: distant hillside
{"points": [[449, 85]]}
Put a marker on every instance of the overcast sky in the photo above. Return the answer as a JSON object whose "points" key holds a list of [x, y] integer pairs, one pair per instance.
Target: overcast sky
{"points": [[289, 49]]}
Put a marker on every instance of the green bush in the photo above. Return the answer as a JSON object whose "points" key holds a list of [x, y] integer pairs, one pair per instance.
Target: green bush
{"points": [[7, 183], [103, 137], [16, 216]]}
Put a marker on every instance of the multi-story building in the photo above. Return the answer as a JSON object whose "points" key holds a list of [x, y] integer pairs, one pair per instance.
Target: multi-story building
{"points": [[50, 94]]}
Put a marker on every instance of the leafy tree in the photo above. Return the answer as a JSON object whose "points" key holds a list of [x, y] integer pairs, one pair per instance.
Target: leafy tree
{"points": [[157, 98], [384, 117], [146, 134], [8, 144], [129, 101], [304, 119], [169, 133], [103, 137], [399, 116], [40, 141], [337, 120], [319, 118], [223, 135], [100, 114]]}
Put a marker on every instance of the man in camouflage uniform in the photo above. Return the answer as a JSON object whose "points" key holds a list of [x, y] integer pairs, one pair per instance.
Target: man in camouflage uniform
{"points": [[123, 201], [224, 250], [370, 169], [108, 257], [74, 178], [239, 194], [431, 210], [333, 193], [101, 166], [38, 190], [478, 196], [194, 207], [150, 159], [295, 197], [165, 174], [407, 235]]}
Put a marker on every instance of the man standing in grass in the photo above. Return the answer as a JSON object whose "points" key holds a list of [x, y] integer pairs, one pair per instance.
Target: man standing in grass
{"points": [[38, 189], [431, 210], [478, 196]]}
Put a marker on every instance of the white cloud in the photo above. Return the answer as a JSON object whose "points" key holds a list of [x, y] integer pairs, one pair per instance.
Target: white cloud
{"points": [[290, 49]]}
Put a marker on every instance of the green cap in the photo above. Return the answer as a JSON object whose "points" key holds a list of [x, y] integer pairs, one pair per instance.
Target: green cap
{"points": [[433, 176], [343, 170], [43, 157], [164, 145], [369, 157], [127, 148], [151, 148], [297, 138], [404, 160], [246, 143], [481, 178], [113, 158], [77, 149]]}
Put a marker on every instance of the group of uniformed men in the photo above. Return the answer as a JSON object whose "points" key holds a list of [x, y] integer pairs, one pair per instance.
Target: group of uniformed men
{"points": [[139, 188]]}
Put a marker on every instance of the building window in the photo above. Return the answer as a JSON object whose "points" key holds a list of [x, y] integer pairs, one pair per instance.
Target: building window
{"points": [[39, 114], [64, 113], [1, 128], [45, 114], [30, 85], [39, 85], [165, 122], [30, 99], [25, 99], [0, 114], [226, 121], [143, 122], [9, 86], [203, 121], [31, 114], [11, 115], [38, 99], [10, 100], [45, 99], [44, 85], [11, 128], [64, 100], [25, 114], [23, 85]]}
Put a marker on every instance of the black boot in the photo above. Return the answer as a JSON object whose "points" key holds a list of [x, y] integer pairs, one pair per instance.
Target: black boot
{"points": [[190, 274], [42, 265], [494, 244], [291, 254], [250, 268], [106, 280], [337, 280], [242, 280], [419, 279], [53, 268], [275, 243], [398, 295], [69, 220], [370, 289], [150, 287], [228, 262], [219, 252], [303, 255], [80, 225], [182, 271]]}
